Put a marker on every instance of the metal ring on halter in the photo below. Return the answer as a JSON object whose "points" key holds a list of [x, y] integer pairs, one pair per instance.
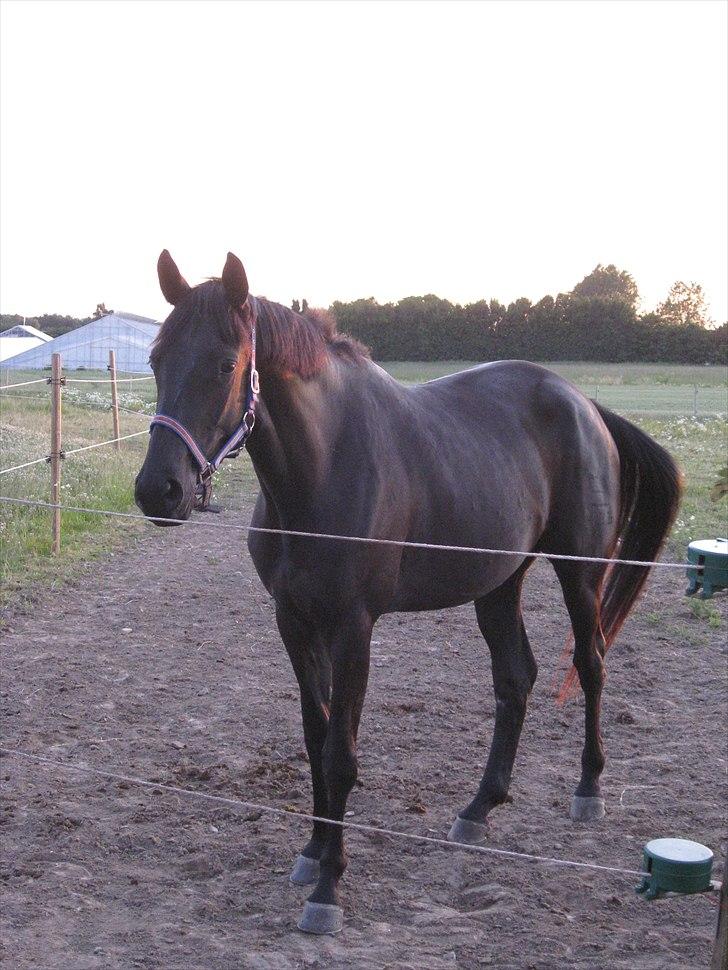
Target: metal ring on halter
{"points": [[203, 491]]}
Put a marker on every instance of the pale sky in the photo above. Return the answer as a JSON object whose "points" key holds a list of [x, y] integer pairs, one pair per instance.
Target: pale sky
{"points": [[353, 149]]}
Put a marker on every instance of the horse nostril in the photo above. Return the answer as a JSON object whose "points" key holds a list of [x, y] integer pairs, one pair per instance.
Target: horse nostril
{"points": [[173, 492]]}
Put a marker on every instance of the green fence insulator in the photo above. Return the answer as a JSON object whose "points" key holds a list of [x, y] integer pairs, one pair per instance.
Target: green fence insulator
{"points": [[710, 572], [675, 866]]}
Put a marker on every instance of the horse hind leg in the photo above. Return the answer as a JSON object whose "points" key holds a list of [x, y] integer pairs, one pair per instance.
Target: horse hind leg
{"points": [[514, 674], [581, 585]]}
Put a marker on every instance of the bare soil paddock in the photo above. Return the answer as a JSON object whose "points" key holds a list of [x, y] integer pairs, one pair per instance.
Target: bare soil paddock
{"points": [[164, 662]]}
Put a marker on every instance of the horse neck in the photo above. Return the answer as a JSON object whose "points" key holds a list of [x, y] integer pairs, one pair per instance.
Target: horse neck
{"points": [[291, 445]]}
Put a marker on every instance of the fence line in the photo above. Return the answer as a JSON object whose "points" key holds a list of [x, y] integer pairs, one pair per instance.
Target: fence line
{"points": [[81, 403], [26, 464], [360, 539], [141, 414], [305, 817], [78, 403], [40, 380], [76, 451], [78, 380], [106, 380], [100, 444], [57, 381]]}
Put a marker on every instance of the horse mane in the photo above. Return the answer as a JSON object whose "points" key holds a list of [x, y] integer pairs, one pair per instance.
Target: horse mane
{"points": [[290, 342]]}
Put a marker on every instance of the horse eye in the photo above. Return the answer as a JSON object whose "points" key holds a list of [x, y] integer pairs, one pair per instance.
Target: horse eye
{"points": [[227, 366]]}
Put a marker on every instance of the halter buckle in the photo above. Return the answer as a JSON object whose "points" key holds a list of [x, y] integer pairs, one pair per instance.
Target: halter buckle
{"points": [[203, 491]]}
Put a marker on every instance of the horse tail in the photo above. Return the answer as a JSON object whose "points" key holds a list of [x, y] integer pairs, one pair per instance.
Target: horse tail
{"points": [[650, 488]]}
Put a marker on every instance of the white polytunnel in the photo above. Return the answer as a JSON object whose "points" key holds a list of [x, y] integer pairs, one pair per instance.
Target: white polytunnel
{"points": [[87, 347]]}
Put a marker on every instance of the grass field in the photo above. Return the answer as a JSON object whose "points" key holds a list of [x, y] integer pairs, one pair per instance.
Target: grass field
{"points": [[104, 479]]}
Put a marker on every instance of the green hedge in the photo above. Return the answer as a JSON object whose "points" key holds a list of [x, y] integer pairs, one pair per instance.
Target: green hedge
{"points": [[566, 328]]}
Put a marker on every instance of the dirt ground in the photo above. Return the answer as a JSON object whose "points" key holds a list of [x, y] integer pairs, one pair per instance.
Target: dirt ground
{"points": [[164, 662]]}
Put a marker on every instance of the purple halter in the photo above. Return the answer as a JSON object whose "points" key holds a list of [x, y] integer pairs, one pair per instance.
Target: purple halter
{"points": [[232, 447]]}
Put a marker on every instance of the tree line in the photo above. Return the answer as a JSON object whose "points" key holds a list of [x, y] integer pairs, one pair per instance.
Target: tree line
{"points": [[565, 328], [598, 320], [54, 324]]}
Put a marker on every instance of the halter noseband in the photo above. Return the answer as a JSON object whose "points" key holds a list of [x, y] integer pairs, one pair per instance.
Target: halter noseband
{"points": [[232, 447]]}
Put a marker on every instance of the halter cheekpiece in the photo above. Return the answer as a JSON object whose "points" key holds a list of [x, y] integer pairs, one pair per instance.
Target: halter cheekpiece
{"points": [[235, 443]]}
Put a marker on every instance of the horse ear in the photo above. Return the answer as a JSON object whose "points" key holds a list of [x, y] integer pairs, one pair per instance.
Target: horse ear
{"points": [[173, 284], [235, 281]]}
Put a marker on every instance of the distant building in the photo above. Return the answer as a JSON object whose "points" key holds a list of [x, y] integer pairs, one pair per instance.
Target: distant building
{"points": [[87, 347], [20, 338]]}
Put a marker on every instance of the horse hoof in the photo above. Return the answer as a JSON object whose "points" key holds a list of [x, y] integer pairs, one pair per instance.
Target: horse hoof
{"points": [[321, 918], [465, 830], [586, 809], [305, 871]]}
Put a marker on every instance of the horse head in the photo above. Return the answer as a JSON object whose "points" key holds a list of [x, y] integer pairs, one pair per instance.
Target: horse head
{"points": [[203, 362]]}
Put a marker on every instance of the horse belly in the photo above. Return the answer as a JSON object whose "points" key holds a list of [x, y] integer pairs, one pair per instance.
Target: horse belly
{"points": [[432, 579], [473, 516]]}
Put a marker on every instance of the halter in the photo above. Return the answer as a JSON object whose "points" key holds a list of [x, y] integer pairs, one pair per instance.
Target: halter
{"points": [[232, 447]]}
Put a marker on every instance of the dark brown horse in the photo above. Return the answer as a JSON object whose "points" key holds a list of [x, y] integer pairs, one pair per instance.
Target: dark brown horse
{"points": [[504, 456]]}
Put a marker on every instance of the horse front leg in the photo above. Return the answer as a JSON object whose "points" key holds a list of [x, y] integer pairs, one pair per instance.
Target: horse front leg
{"points": [[349, 651], [310, 660]]}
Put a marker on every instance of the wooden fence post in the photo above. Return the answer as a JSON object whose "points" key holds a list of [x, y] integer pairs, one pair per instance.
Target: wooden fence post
{"points": [[720, 951], [55, 455], [114, 398]]}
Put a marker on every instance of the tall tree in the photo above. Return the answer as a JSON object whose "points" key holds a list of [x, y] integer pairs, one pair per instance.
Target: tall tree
{"points": [[609, 283], [685, 306]]}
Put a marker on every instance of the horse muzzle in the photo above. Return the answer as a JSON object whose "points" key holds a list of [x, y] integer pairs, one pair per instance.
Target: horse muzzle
{"points": [[162, 496]]}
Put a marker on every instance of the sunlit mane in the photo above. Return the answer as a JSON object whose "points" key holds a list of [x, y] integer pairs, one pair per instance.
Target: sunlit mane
{"points": [[290, 342]]}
